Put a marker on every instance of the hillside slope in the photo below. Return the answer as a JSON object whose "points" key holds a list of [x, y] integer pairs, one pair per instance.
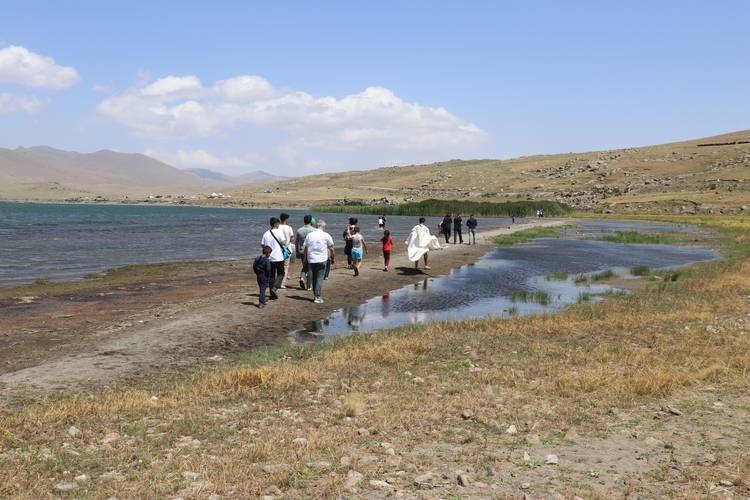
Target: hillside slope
{"points": [[697, 175]]}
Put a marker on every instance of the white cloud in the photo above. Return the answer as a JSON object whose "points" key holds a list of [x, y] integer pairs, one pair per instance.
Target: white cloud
{"points": [[373, 117], [20, 66], [244, 88], [173, 86], [10, 103], [203, 158]]}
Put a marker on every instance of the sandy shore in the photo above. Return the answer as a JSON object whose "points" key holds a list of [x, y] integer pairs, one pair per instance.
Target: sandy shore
{"points": [[108, 335]]}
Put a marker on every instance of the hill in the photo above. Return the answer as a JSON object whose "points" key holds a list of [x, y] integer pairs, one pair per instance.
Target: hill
{"points": [[701, 175], [219, 179], [42, 172]]}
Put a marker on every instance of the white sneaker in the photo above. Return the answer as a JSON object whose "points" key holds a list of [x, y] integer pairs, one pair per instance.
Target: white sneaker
{"points": [[318, 300]]}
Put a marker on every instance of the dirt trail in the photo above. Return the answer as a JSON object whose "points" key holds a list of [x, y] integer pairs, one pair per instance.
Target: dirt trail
{"points": [[102, 337]]}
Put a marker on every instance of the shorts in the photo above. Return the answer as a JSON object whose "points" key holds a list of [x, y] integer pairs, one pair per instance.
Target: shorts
{"points": [[356, 253]]}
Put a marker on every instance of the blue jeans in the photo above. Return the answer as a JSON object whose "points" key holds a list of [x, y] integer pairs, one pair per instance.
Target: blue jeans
{"points": [[318, 271], [262, 285]]}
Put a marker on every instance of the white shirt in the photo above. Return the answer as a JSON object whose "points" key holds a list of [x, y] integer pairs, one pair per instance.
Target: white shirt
{"points": [[316, 246], [276, 254], [288, 232]]}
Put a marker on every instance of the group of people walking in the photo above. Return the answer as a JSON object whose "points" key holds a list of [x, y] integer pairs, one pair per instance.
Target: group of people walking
{"points": [[315, 248], [455, 221]]}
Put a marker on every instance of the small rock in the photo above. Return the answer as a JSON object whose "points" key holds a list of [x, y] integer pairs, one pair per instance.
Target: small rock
{"points": [[154, 398], [66, 486], [272, 490], [353, 478], [363, 432], [418, 380], [214, 496], [300, 441], [511, 429], [551, 459], [319, 464], [467, 414], [379, 484], [74, 431], [425, 480], [191, 476], [652, 441], [533, 439], [82, 478], [112, 476], [672, 410], [475, 369], [274, 468], [726, 482], [390, 451], [112, 437], [462, 479], [345, 461], [526, 457], [525, 486]]}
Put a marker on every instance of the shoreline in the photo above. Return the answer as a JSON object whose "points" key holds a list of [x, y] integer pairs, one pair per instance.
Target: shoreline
{"points": [[101, 335]]}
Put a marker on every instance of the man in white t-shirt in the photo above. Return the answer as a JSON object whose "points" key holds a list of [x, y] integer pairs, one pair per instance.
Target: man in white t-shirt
{"points": [[275, 239], [319, 249], [289, 236]]}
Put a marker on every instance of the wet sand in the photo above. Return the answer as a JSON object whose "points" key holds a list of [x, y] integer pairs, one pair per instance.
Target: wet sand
{"points": [[108, 335]]}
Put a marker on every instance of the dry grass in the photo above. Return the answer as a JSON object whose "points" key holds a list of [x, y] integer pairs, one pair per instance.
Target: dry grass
{"points": [[409, 387]]}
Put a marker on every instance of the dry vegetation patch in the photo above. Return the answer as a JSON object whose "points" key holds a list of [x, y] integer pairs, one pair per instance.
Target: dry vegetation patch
{"points": [[605, 388]]}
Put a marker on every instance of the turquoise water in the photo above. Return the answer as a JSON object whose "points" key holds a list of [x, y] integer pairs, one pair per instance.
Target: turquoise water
{"points": [[66, 241]]}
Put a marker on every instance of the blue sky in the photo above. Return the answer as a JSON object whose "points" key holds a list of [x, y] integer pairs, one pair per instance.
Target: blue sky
{"points": [[304, 87]]}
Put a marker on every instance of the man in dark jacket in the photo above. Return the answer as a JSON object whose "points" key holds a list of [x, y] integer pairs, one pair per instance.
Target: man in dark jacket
{"points": [[457, 221], [445, 226], [471, 224]]}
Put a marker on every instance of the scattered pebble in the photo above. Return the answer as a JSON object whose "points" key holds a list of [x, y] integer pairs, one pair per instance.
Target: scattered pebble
{"points": [[511, 429], [379, 484], [467, 414], [672, 410], [525, 486], [363, 432], [319, 464], [300, 441], [272, 490], [82, 478], [418, 380], [726, 482], [191, 476], [66, 486], [462, 479], [74, 431], [551, 459], [274, 468], [425, 480], [353, 478]]}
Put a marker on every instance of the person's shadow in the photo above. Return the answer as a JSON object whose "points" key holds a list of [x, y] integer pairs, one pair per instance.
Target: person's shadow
{"points": [[410, 271]]}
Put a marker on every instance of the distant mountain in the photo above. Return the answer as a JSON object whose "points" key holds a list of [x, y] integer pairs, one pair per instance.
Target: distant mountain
{"points": [[104, 170], [213, 177]]}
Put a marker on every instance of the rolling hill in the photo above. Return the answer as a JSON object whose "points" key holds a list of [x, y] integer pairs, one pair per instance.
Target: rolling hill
{"points": [[45, 173], [219, 179], [701, 175]]}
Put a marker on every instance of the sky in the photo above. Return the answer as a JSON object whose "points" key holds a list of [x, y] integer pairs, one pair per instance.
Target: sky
{"points": [[297, 88]]}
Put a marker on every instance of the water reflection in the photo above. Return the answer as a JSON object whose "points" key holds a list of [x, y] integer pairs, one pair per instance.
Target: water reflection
{"points": [[506, 282]]}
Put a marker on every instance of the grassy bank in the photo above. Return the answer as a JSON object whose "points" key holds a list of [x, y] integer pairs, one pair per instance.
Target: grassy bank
{"points": [[304, 421], [523, 236], [442, 207]]}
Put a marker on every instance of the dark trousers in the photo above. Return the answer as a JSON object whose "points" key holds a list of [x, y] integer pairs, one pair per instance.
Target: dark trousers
{"points": [[387, 257], [318, 271], [262, 285], [277, 274], [472, 236], [457, 234], [447, 233], [348, 251], [328, 268]]}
